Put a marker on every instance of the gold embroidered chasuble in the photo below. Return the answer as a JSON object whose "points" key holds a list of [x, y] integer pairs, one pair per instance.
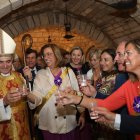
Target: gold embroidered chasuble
{"points": [[18, 127]]}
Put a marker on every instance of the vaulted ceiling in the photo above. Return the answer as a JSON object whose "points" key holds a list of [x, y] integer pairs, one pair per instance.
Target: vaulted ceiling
{"points": [[99, 20]]}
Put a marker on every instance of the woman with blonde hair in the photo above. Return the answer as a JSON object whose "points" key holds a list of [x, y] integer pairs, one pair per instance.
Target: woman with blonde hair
{"points": [[77, 64], [77, 61], [95, 72]]}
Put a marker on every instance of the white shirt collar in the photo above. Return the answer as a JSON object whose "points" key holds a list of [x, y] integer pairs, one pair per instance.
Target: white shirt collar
{"points": [[34, 69], [8, 74]]}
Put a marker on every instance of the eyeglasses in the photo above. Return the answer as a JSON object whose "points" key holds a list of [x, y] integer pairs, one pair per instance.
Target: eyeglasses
{"points": [[48, 54]]}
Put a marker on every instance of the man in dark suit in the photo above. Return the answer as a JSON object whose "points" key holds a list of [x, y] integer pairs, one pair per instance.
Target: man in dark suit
{"points": [[31, 68], [132, 121]]}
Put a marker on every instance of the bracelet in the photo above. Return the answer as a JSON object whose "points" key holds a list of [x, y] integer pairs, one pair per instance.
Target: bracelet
{"points": [[80, 100]]}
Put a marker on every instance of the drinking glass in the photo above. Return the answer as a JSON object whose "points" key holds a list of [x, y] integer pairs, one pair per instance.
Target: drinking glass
{"points": [[91, 105], [24, 92], [83, 80], [58, 96]]}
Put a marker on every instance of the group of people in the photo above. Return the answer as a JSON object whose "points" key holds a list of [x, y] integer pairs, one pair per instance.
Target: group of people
{"points": [[59, 102], [127, 94], [55, 122]]}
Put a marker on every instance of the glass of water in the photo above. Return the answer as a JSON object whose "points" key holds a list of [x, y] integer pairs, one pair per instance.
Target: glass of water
{"points": [[94, 115], [83, 80]]}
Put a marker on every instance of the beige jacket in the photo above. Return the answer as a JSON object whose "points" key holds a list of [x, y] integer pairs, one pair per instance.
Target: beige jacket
{"points": [[55, 119]]}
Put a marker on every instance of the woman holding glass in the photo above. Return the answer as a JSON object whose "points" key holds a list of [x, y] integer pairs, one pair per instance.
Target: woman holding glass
{"points": [[94, 74], [105, 85], [80, 68], [55, 121]]}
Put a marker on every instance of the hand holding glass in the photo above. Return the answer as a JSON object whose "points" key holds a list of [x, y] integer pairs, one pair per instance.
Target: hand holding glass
{"points": [[93, 114], [83, 80], [60, 89], [12, 95], [23, 90]]}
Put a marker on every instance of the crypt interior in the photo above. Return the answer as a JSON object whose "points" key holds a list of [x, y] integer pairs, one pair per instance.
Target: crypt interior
{"points": [[68, 23]]}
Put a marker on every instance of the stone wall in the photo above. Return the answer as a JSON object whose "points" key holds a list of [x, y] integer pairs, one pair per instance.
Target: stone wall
{"points": [[40, 37]]}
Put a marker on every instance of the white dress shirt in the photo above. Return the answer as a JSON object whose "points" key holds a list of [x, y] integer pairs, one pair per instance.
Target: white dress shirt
{"points": [[117, 122], [5, 112]]}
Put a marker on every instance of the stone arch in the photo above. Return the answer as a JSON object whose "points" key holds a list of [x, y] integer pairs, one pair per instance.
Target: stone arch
{"points": [[22, 23]]}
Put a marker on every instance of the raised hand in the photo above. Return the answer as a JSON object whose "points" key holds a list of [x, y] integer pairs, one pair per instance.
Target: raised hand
{"points": [[68, 96], [27, 72], [12, 96], [103, 115], [88, 90], [24, 91]]}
